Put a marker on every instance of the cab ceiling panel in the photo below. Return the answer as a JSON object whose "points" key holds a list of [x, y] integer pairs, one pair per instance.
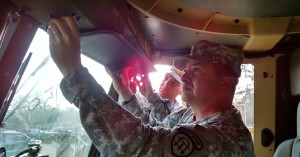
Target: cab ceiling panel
{"points": [[93, 14], [168, 39], [265, 22], [248, 8]]}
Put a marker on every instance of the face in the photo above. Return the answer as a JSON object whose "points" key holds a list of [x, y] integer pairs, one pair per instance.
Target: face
{"points": [[169, 87], [200, 82]]}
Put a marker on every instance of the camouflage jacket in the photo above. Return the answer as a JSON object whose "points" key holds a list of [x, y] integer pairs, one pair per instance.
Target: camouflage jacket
{"points": [[158, 108], [116, 132]]}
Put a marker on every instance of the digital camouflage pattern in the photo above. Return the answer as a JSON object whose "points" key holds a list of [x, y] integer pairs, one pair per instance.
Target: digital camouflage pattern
{"points": [[155, 99], [158, 108], [116, 132], [209, 52]]}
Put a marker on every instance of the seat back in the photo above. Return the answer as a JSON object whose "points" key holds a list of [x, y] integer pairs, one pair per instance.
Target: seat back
{"points": [[296, 146], [291, 147]]}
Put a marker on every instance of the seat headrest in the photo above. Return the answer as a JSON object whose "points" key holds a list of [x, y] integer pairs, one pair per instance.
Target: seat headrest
{"points": [[298, 121]]}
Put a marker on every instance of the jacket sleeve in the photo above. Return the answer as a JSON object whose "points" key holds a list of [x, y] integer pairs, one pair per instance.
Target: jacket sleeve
{"points": [[159, 110], [135, 108], [113, 130]]}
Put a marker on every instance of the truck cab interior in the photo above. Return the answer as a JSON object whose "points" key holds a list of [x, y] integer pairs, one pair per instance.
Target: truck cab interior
{"points": [[146, 34]]}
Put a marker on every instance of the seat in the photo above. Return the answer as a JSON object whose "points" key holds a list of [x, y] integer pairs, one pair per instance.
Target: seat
{"points": [[291, 147]]}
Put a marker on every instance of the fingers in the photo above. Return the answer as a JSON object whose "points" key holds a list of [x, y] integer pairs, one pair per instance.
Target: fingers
{"points": [[54, 32], [71, 24], [112, 74], [51, 35], [127, 70], [64, 44], [61, 26], [109, 72], [64, 26]]}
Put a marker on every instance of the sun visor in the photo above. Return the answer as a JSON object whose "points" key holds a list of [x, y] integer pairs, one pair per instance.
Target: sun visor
{"points": [[112, 50]]}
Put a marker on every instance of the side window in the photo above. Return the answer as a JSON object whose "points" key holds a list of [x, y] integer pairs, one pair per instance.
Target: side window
{"points": [[40, 114], [244, 96], [156, 77]]}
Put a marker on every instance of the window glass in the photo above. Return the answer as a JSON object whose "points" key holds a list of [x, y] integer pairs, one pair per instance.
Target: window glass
{"points": [[157, 76], [244, 96], [40, 114]]}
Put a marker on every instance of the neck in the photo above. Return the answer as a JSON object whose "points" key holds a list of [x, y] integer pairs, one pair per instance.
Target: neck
{"points": [[203, 111], [173, 101]]}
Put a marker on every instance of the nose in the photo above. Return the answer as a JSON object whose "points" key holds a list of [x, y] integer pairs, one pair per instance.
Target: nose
{"points": [[167, 83], [185, 76]]}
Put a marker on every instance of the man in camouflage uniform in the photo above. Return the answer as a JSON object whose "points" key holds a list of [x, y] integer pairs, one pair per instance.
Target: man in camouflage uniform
{"points": [[210, 127], [157, 105]]}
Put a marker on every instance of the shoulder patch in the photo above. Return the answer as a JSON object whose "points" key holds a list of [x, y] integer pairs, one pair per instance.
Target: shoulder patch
{"points": [[184, 142], [182, 145], [195, 138]]}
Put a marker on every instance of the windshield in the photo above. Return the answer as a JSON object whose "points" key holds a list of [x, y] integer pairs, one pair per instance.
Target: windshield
{"points": [[39, 113]]}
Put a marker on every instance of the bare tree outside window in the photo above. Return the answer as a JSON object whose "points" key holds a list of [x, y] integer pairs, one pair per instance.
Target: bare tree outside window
{"points": [[244, 95]]}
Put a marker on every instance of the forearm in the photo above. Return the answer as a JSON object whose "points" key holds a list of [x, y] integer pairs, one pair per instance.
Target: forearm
{"points": [[134, 106], [154, 98], [110, 127], [159, 108], [154, 117]]}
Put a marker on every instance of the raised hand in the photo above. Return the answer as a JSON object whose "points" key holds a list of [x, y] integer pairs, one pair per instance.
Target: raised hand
{"points": [[146, 88], [121, 83], [64, 39]]}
